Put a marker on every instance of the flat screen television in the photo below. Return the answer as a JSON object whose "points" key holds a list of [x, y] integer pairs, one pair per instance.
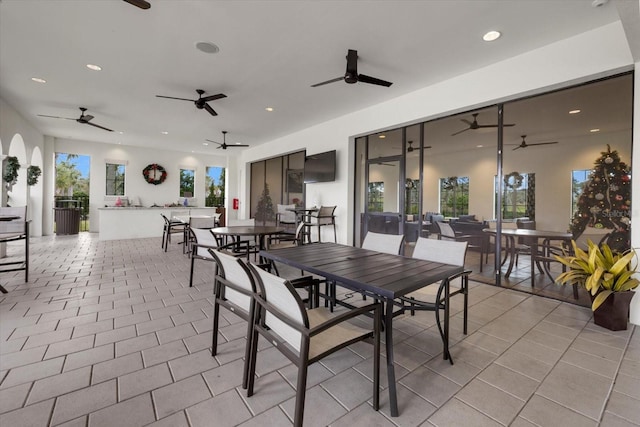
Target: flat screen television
{"points": [[320, 167]]}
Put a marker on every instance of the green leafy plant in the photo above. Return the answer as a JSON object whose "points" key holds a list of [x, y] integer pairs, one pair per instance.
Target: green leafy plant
{"points": [[11, 170], [599, 270], [33, 172]]}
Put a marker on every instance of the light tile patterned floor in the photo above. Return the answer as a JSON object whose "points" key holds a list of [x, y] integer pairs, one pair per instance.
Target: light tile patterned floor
{"points": [[110, 334]]}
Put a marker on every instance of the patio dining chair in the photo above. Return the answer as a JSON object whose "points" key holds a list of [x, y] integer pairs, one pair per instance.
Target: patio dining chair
{"points": [[305, 336], [14, 227], [447, 252], [234, 288], [321, 218], [306, 282], [171, 226], [386, 243], [474, 241], [202, 240], [285, 216]]}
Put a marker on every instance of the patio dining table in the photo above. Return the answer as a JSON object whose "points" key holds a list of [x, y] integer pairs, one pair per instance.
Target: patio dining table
{"points": [[380, 275], [258, 232], [547, 237]]}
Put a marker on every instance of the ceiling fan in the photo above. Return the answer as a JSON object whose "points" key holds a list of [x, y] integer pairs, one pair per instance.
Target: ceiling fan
{"points": [[84, 119], [524, 144], [474, 125], [142, 4], [201, 103], [224, 145], [410, 148], [351, 75]]}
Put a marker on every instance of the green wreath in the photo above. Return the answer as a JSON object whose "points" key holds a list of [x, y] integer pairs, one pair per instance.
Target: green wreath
{"points": [[152, 178], [513, 180]]}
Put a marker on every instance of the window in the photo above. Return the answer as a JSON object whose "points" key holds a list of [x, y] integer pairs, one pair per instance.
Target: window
{"points": [[214, 181], [115, 179], [376, 197], [578, 180], [454, 196], [518, 198], [186, 182]]}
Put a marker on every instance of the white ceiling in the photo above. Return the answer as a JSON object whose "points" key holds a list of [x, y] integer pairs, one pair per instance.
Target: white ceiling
{"points": [[271, 52]]}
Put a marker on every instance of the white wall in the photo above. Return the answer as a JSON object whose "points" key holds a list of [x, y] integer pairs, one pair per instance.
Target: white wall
{"points": [[137, 159], [14, 127], [594, 54]]}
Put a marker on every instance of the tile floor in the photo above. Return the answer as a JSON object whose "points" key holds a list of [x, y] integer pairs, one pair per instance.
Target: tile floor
{"points": [[110, 334]]}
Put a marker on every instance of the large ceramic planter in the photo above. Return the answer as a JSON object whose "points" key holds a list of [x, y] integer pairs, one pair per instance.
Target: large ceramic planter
{"points": [[613, 313]]}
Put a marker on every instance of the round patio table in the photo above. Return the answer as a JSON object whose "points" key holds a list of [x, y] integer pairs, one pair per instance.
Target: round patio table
{"points": [[259, 232]]}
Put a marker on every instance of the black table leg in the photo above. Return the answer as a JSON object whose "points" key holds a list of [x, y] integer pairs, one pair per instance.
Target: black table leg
{"points": [[391, 373]]}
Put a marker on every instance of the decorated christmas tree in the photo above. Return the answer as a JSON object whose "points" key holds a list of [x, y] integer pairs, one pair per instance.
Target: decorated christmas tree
{"points": [[264, 210], [606, 201]]}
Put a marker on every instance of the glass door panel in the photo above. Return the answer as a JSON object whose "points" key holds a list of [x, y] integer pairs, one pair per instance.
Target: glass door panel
{"points": [[383, 196]]}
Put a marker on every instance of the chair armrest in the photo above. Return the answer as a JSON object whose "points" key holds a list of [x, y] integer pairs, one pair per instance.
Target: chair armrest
{"points": [[345, 316]]}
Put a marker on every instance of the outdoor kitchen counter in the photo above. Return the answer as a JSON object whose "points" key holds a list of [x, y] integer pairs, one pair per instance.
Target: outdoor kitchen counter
{"points": [[135, 222]]}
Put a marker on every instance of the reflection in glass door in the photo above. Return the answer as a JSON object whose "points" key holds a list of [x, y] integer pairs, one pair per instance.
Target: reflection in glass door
{"points": [[384, 196]]}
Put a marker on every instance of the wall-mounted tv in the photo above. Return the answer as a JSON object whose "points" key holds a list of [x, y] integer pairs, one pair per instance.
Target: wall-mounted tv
{"points": [[320, 167]]}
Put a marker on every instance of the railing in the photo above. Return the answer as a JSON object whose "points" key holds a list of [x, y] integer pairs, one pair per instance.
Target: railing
{"points": [[214, 201]]}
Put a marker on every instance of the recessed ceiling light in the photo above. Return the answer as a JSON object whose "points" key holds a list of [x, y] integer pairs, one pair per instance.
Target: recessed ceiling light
{"points": [[164, 132], [207, 47], [574, 111], [479, 146], [205, 143], [94, 67], [238, 143], [38, 80], [491, 36], [120, 132], [269, 108], [382, 136], [594, 130]]}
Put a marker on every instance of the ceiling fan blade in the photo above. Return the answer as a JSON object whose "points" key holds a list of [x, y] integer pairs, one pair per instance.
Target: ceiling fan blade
{"points": [[56, 117], [543, 143], [215, 142], [210, 110], [87, 117], [372, 80], [237, 145], [460, 131], [508, 125], [142, 4], [466, 121], [213, 97], [337, 79], [520, 146], [173, 97], [98, 126]]}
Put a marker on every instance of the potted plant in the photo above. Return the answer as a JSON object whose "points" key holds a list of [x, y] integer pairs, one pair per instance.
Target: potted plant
{"points": [[607, 276]]}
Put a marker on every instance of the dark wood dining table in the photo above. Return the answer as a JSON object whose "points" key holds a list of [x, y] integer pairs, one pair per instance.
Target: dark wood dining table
{"points": [[259, 232], [381, 275], [534, 236]]}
